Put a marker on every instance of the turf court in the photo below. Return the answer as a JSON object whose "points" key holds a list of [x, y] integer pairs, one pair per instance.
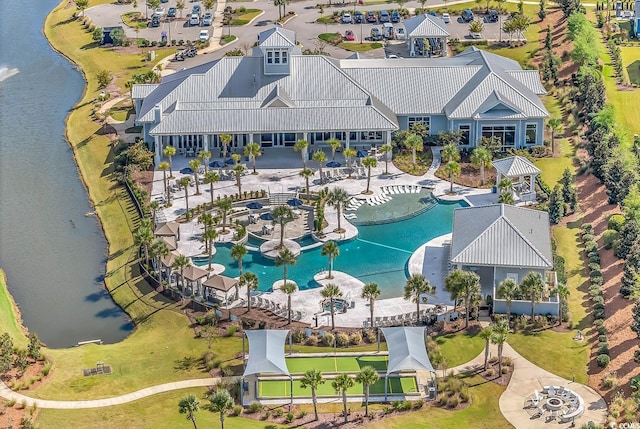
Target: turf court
{"points": [[330, 364], [281, 388]]}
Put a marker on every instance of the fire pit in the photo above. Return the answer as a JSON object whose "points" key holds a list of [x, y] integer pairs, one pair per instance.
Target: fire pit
{"points": [[554, 403]]}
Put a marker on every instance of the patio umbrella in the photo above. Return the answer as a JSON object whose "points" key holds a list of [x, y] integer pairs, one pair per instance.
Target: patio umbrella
{"points": [[361, 154], [254, 205], [266, 216], [216, 164], [333, 164], [186, 171], [295, 202], [230, 161]]}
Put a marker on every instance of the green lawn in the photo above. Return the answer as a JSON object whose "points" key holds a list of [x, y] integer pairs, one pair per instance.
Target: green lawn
{"points": [[299, 365], [8, 311], [460, 348], [245, 17], [134, 19], [360, 47], [569, 247], [282, 388], [631, 63]]}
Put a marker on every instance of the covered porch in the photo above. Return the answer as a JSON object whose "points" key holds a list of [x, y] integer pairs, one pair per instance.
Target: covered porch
{"points": [[523, 175]]}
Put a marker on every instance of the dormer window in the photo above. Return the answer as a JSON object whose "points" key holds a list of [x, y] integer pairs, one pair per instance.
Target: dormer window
{"points": [[277, 56]]}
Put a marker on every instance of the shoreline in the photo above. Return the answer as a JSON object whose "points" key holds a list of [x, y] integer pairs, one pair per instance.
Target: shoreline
{"points": [[14, 316]]}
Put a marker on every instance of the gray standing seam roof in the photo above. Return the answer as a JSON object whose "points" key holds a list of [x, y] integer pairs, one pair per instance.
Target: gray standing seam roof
{"points": [[515, 166], [426, 26], [142, 90], [277, 37]]}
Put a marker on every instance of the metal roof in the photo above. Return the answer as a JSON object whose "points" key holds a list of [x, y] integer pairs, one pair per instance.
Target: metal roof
{"points": [[515, 166], [142, 90], [501, 235], [277, 37], [530, 79], [426, 26]]}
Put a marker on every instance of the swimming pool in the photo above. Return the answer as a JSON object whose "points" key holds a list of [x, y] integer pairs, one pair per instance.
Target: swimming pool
{"points": [[379, 254], [305, 241]]}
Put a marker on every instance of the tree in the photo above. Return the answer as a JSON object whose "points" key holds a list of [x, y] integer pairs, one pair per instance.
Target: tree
{"points": [[548, 38], [194, 165], [180, 6], [542, 12], [81, 5], [499, 337], [486, 335], [204, 156], [312, 379], [635, 322], [369, 162], [208, 4], [371, 291], [367, 377], [180, 263], [97, 34], [330, 249], [306, 173], [285, 257], [416, 285], [450, 152], [342, 384], [476, 27], [289, 289], [279, 3], [189, 405], [225, 139], [104, 78], [224, 206], [349, 154], [338, 198], [250, 280], [521, 23], [282, 215], [506, 191], [556, 205], [301, 146], [164, 166], [481, 158], [320, 158], [466, 285], [508, 290], [563, 293], [252, 150], [169, 152], [414, 142], [492, 144], [211, 177], [159, 249], [184, 183], [143, 238], [628, 237], [331, 292], [220, 402], [238, 252], [386, 149], [33, 348], [335, 145], [555, 126], [154, 206], [532, 287], [238, 170], [453, 170]]}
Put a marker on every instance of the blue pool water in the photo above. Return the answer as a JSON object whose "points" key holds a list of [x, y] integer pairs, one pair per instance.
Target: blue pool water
{"points": [[379, 254]]}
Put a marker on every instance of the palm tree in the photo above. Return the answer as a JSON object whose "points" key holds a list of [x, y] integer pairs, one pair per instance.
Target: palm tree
{"points": [[338, 198], [555, 126], [180, 6], [450, 152], [284, 258], [416, 285], [207, 220], [158, 249], [506, 191], [371, 291], [224, 206], [508, 290], [143, 238], [209, 236], [282, 215], [499, 337], [414, 142], [563, 293], [238, 252], [453, 170], [238, 169], [236, 158], [330, 249], [225, 139], [312, 379], [486, 334], [300, 146], [252, 150], [164, 166], [332, 292], [532, 287], [154, 206], [194, 164], [189, 405], [306, 173], [386, 149], [342, 384], [180, 263], [465, 285], [289, 289], [369, 162], [349, 153], [205, 156], [250, 280], [221, 402], [320, 158], [184, 183], [481, 157], [169, 151], [211, 177], [335, 145], [367, 377]]}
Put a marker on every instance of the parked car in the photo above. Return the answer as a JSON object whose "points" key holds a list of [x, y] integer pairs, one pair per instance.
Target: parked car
{"points": [[384, 16], [400, 34], [376, 34], [171, 13], [155, 21], [194, 19], [204, 35], [358, 17], [371, 17], [346, 18], [395, 16], [348, 35], [493, 16], [196, 9], [446, 18], [159, 11], [388, 30], [207, 19], [467, 15], [164, 1]]}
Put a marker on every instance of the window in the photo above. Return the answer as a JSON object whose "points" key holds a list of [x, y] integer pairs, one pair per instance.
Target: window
{"points": [[277, 56], [530, 134], [465, 134], [424, 120], [269, 57], [506, 134]]}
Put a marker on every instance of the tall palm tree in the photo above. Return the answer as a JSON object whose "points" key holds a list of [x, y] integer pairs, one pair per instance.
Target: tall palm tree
{"points": [[367, 377], [334, 144], [282, 215], [189, 405], [465, 285], [338, 198], [481, 157], [284, 258], [184, 183], [349, 154], [306, 173], [169, 152], [180, 263], [236, 158], [238, 252], [371, 291], [225, 139], [450, 152], [563, 293], [205, 156], [238, 169], [207, 220], [414, 142], [221, 402], [300, 146], [164, 166], [211, 177], [224, 206], [194, 164], [508, 290], [369, 162], [386, 149], [158, 249], [416, 285], [486, 334], [209, 236], [342, 384], [532, 287], [250, 280], [499, 337], [289, 289], [330, 249], [320, 158], [154, 206], [331, 292], [312, 379], [252, 150], [452, 169], [555, 126], [143, 238]]}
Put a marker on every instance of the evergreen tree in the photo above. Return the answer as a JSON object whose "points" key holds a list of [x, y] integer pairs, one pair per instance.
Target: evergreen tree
{"points": [[548, 39], [629, 279], [556, 205], [628, 236], [635, 323], [618, 180]]}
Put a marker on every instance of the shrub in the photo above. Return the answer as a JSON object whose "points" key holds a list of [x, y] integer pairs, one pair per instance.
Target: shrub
{"points": [[602, 330], [610, 380], [453, 402], [588, 237], [231, 330], [636, 358], [312, 341], [289, 418], [46, 368], [603, 348], [490, 372], [603, 361], [370, 337], [418, 404], [602, 338], [587, 228], [590, 246], [594, 267], [596, 278], [598, 299], [594, 258], [302, 414], [598, 313], [11, 403], [505, 369], [237, 410], [595, 272], [298, 337], [342, 339], [609, 238], [278, 412], [616, 222], [254, 408], [328, 339], [355, 339]]}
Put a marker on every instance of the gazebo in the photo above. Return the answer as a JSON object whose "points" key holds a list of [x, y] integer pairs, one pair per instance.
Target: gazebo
{"points": [[423, 29], [522, 174], [407, 351], [193, 275], [220, 283], [171, 242], [266, 354], [167, 262], [168, 229]]}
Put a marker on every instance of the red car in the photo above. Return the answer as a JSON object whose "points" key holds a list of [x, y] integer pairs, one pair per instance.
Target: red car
{"points": [[348, 35]]}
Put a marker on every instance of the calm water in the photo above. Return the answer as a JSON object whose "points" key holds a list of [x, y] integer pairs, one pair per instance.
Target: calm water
{"points": [[53, 255]]}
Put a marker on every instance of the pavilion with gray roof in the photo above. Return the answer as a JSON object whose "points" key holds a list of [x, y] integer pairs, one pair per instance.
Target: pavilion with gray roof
{"points": [[426, 35], [522, 173]]}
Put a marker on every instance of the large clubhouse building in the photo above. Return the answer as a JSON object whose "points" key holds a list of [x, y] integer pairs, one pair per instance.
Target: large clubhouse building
{"points": [[277, 96]]}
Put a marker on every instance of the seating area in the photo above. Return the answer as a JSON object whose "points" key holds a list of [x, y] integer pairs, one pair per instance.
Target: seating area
{"points": [[555, 403], [400, 319], [402, 189], [277, 309], [335, 174]]}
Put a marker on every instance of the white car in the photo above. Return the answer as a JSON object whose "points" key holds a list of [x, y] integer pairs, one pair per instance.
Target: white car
{"points": [[204, 35], [346, 18], [400, 34], [446, 18], [159, 11], [194, 20]]}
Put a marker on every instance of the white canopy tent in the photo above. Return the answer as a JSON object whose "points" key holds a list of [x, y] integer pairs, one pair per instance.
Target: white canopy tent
{"points": [[266, 353]]}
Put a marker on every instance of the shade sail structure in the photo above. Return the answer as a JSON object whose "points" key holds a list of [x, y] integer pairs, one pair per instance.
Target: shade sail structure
{"points": [[266, 352], [407, 349], [221, 283]]}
